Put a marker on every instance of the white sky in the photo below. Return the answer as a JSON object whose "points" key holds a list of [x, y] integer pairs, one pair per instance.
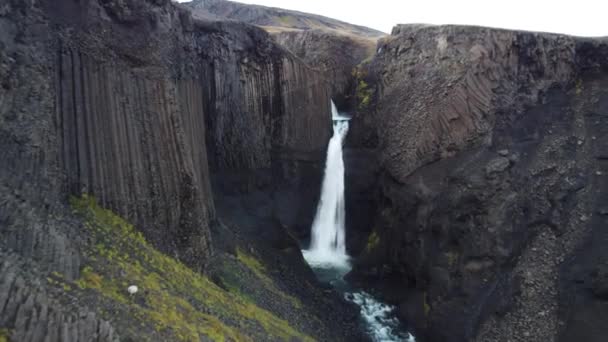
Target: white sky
{"points": [[576, 17]]}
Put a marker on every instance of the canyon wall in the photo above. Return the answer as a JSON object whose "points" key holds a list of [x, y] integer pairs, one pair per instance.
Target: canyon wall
{"points": [[330, 46], [491, 153], [132, 117], [335, 55], [135, 104]]}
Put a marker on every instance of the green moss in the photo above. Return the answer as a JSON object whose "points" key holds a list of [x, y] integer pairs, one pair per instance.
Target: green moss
{"points": [[89, 279], [286, 20], [4, 335], [425, 304], [260, 271], [363, 91], [452, 258], [579, 87], [251, 262], [372, 241], [178, 301], [56, 279]]}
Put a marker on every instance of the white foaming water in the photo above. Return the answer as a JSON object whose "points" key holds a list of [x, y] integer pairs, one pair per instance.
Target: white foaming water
{"points": [[327, 246], [382, 326], [327, 252]]}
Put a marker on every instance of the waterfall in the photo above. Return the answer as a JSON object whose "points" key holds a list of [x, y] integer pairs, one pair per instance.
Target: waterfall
{"points": [[327, 246], [327, 252]]}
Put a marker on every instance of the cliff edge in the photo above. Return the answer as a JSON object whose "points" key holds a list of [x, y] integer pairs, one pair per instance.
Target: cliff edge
{"points": [[489, 208]]}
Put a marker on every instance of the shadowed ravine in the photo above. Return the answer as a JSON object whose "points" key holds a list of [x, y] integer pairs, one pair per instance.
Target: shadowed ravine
{"points": [[182, 150], [327, 252]]}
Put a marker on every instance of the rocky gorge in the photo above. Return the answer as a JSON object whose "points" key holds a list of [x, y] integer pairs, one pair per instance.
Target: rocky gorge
{"points": [[180, 148], [137, 108], [491, 182]]}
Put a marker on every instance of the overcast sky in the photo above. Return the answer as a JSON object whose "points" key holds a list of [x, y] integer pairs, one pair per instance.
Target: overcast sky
{"points": [[576, 17]]}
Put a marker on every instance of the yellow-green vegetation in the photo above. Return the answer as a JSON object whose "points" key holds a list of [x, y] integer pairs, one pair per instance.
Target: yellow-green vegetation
{"points": [[177, 301], [425, 304], [251, 262], [4, 335], [372, 241], [260, 271], [89, 279], [363, 91], [286, 20], [452, 258], [579, 87], [56, 279]]}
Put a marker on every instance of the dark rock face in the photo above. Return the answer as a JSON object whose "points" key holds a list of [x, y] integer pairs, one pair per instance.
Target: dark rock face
{"points": [[131, 114], [489, 144], [137, 104], [282, 183], [335, 55], [37, 316], [361, 171], [330, 46]]}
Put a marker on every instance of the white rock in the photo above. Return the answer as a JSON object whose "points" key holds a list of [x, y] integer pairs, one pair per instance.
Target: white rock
{"points": [[132, 289]]}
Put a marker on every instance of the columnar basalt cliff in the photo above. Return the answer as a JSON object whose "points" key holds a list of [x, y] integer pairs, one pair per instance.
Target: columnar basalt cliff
{"points": [[491, 147], [135, 104], [330, 46], [142, 144], [336, 55], [133, 126], [278, 104]]}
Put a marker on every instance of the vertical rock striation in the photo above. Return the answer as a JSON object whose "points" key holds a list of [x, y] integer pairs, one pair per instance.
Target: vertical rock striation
{"points": [[337, 55], [132, 139], [489, 142], [133, 102]]}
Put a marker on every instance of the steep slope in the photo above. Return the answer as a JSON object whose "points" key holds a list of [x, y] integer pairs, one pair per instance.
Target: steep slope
{"points": [[276, 19], [489, 207], [135, 104]]}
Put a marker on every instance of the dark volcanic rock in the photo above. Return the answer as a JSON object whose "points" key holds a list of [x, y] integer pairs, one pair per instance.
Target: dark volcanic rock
{"points": [[136, 103], [130, 115], [335, 55], [488, 142], [37, 316], [330, 46], [600, 281]]}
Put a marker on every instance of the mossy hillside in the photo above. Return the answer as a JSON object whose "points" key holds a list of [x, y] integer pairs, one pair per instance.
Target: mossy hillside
{"points": [[173, 301], [246, 275], [4, 335], [255, 266]]}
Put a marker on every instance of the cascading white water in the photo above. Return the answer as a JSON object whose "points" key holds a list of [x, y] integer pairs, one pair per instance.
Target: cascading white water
{"points": [[327, 246], [327, 252]]}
